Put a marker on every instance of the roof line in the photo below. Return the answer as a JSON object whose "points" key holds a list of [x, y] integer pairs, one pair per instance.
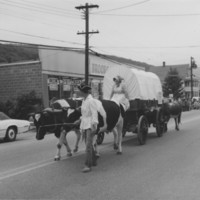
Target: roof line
{"points": [[20, 63]]}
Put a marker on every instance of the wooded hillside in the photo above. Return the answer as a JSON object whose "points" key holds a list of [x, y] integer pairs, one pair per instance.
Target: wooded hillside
{"points": [[13, 53]]}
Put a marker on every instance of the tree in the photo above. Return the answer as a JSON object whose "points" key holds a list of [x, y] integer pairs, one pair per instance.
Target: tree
{"points": [[22, 106], [25, 104], [173, 84]]}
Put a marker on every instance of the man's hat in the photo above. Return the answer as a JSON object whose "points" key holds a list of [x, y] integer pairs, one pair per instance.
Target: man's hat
{"points": [[84, 88]]}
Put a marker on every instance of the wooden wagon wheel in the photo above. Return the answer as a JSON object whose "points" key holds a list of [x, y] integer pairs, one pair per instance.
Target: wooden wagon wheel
{"points": [[100, 138], [160, 123], [142, 130]]}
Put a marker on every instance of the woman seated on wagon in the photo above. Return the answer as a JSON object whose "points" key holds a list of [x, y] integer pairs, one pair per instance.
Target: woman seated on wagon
{"points": [[119, 93]]}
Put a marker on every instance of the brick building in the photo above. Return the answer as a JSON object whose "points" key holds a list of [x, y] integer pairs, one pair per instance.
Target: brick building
{"points": [[20, 78]]}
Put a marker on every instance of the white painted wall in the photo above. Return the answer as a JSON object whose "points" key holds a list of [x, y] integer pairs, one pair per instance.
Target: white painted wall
{"points": [[72, 63]]}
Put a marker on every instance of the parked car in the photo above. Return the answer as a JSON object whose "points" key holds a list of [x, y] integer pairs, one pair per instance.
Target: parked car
{"points": [[196, 105], [9, 128], [195, 99]]}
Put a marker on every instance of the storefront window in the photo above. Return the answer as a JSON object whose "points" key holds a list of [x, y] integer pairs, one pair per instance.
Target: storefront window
{"points": [[67, 88], [74, 86], [53, 86], [63, 87]]}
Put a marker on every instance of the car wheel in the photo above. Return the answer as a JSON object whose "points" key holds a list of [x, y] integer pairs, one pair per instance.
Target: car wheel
{"points": [[11, 134]]}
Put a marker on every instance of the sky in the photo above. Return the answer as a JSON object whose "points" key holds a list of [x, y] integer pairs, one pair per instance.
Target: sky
{"points": [[150, 31]]}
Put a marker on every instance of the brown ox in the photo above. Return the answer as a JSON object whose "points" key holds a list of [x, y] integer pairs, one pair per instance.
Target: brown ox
{"points": [[172, 110]]}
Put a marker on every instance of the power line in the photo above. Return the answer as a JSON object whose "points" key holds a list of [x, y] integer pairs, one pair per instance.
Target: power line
{"points": [[123, 7], [105, 52], [50, 7], [61, 26], [150, 15], [33, 16], [161, 47], [110, 58], [108, 53], [42, 37], [36, 7], [36, 10], [106, 57]]}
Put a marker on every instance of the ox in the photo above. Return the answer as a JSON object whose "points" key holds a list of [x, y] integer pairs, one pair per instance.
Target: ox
{"points": [[172, 110], [60, 121]]}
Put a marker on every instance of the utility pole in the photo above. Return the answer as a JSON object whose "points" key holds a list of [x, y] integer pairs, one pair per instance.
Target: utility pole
{"points": [[86, 33], [193, 66], [191, 75]]}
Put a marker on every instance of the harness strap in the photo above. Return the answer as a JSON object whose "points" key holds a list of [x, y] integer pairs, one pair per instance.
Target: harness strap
{"points": [[61, 124]]}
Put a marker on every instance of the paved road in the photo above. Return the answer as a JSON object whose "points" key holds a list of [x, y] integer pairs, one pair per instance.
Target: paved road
{"points": [[166, 168]]}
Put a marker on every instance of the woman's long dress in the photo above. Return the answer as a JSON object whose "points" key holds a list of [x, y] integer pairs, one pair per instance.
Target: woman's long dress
{"points": [[119, 96]]}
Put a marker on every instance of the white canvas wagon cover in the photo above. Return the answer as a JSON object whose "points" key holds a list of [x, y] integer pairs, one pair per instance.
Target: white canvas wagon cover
{"points": [[139, 84]]}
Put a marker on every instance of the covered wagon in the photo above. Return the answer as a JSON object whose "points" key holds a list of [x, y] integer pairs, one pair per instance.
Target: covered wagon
{"points": [[145, 96]]}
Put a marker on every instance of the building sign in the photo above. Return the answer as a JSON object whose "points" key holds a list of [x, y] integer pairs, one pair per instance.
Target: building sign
{"points": [[53, 84], [75, 83], [98, 69]]}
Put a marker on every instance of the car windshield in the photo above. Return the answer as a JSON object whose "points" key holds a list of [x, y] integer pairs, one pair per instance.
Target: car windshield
{"points": [[3, 116]]}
